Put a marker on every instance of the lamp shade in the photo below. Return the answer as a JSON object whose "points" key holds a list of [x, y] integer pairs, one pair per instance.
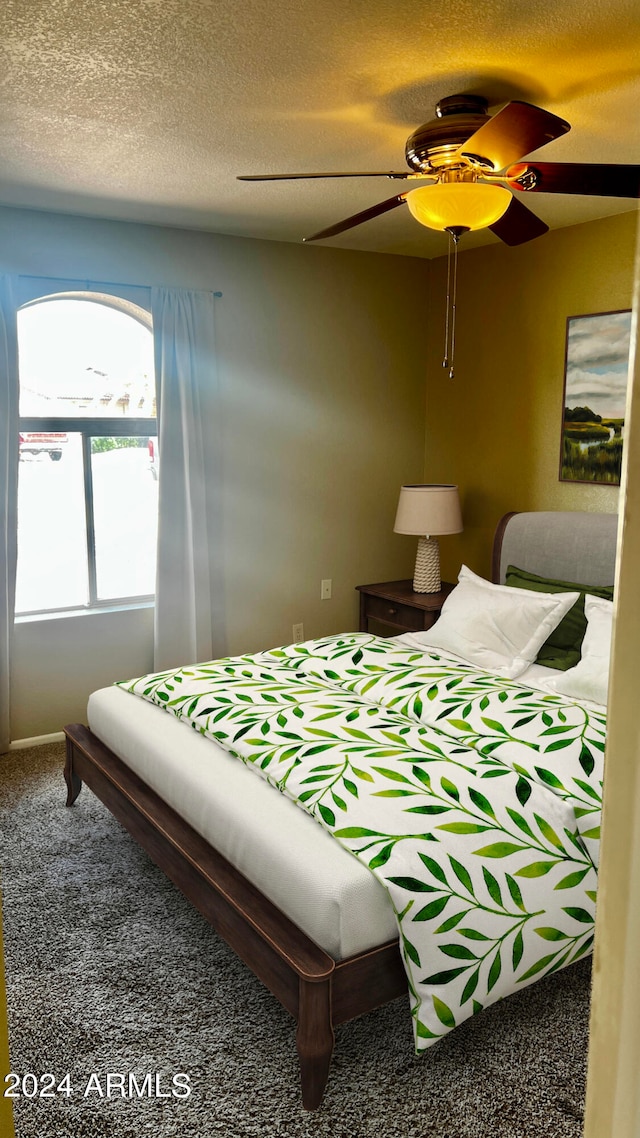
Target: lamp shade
{"points": [[468, 205], [428, 509]]}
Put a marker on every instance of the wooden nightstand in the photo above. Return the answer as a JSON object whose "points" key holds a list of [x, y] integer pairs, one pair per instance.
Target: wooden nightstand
{"points": [[395, 604]]}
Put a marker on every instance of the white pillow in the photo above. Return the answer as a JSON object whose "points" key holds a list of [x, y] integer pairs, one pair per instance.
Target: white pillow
{"points": [[590, 677], [495, 626]]}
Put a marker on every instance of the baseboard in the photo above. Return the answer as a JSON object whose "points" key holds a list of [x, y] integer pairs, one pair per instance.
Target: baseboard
{"points": [[37, 741]]}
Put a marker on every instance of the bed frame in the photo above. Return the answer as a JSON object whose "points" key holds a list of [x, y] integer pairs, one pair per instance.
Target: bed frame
{"points": [[317, 990]]}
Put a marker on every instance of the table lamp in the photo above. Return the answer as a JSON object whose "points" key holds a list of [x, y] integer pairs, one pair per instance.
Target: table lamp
{"points": [[428, 509]]}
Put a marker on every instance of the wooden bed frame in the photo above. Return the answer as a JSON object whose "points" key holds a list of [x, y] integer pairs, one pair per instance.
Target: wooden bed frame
{"points": [[317, 990]]}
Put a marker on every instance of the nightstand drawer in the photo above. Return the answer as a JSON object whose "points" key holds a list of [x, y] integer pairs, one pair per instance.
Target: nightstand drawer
{"points": [[393, 612], [394, 604]]}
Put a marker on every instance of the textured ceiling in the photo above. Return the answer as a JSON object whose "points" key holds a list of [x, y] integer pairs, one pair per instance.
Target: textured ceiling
{"points": [[147, 109]]}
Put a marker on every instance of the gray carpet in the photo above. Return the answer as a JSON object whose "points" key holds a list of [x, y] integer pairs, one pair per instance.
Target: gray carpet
{"points": [[109, 969]]}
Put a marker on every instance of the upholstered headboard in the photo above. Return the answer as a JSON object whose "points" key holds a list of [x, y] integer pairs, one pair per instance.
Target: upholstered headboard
{"points": [[570, 546]]}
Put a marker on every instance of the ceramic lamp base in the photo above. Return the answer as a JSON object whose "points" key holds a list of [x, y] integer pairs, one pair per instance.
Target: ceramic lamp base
{"points": [[426, 576]]}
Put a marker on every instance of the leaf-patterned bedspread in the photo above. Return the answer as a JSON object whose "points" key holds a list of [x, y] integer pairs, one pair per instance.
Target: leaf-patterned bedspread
{"points": [[474, 800]]}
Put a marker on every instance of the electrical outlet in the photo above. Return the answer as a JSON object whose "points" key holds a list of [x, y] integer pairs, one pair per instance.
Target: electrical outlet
{"points": [[298, 633], [325, 589]]}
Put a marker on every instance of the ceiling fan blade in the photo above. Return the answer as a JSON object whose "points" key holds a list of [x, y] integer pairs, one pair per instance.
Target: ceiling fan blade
{"points": [[516, 130], [358, 218], [575, 178], [333, 174], [518, 225]]}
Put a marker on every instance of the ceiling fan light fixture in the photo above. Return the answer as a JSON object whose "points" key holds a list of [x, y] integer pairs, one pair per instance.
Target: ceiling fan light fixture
{"points": [[463, 205]]}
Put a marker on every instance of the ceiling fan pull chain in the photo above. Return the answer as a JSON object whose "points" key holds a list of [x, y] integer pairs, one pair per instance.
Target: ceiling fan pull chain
{"points": [[445, 361], [456, 239]]}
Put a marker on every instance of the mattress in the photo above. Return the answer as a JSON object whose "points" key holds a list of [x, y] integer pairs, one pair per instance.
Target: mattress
{"points": [[322, 887]]}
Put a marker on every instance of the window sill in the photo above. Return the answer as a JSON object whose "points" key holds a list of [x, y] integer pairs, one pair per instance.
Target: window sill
{"points": [[31, 618]]}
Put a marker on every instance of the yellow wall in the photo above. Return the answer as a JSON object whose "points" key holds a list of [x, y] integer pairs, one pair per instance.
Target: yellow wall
{"points": [[495, 428]]}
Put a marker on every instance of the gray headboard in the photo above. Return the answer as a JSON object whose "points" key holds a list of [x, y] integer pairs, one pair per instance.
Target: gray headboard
{"points": [[569, 546]]}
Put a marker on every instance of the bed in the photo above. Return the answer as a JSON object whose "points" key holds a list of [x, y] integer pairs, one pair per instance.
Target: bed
{"points": [[324, 929]]}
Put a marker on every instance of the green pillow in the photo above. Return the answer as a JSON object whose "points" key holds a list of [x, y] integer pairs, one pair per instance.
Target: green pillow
{"points": [[562, 649]]}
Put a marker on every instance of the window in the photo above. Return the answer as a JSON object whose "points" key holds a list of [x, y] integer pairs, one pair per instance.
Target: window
{"points": [[87, 486]]}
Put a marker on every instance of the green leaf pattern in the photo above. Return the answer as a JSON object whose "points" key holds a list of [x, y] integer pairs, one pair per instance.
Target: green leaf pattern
{"points": [[474, 800]]}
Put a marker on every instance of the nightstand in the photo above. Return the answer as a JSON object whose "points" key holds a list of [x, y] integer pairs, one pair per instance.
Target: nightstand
{"points": [[395, 604]]}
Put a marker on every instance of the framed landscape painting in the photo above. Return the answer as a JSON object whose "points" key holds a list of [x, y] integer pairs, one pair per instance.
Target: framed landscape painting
{"points": [[595, 393]]}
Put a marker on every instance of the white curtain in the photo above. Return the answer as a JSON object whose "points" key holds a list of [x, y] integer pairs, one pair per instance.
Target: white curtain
{"points": [[8, 493], [189, 603]]}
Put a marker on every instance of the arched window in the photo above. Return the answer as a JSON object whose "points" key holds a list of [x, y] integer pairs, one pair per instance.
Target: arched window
{"points": [[87, 487]]}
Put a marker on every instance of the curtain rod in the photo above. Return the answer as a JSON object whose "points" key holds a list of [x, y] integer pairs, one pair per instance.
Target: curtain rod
{"points": [[109, 284]]}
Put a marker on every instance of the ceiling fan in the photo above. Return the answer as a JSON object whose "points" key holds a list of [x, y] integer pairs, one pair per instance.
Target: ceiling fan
{"points": [[467, 162]]}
